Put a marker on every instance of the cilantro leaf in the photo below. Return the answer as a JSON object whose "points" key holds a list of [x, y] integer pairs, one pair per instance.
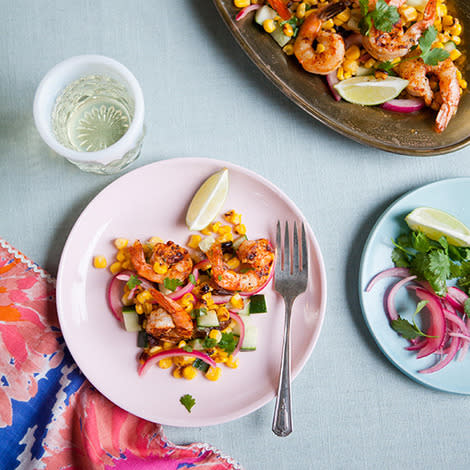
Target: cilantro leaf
{"points": [[187, 401], [386, 66], [400, 259], [208, 343], [385, 16], [404, 328], [133, 281], [466, 307], [364, 6], [431, 56], [228, 342], [420, 242], [171, 284]]}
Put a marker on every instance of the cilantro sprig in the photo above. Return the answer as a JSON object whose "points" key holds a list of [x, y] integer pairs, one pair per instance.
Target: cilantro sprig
{"points": [[407, 329], [431, 56], [133, 281], [188, 401], [383, 17], [171, 284], [228, 342]]}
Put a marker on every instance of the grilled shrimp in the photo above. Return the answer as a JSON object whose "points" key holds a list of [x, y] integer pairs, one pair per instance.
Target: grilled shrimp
{"points": [[416, 72], [169, 255], [169, 321], [310, 32], [397, 43], [258, 255]]}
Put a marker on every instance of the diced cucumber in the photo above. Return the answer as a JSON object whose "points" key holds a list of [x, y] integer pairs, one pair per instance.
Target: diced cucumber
{"points": [[201, 365], [206, 243], [131, 321], [420, 5], [246, 321], [250, 339], [362, 71], [207, 319], [245, 310], [236, 243], [196, 345], [128, 309], [280, 37], [449, 46], [257, 304], [142, 339], [264, 13]]}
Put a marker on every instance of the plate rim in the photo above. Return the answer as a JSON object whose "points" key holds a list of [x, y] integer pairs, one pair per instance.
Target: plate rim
{"points": [[321, 275], [312, 111], [361, 272]]}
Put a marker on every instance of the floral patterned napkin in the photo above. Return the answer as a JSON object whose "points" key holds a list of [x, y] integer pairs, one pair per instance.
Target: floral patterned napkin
{"points": [[51, 417]]}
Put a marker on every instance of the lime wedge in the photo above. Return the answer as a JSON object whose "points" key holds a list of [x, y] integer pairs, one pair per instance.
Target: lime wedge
{"points": [[370, 91], [208, 201], [435, 223]]}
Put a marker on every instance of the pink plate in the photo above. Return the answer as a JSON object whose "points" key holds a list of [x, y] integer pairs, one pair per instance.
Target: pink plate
{"points": [[152, 201]]}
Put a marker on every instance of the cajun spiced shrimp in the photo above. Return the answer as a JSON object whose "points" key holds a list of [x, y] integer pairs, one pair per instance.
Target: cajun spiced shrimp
{"points": [[397, 43], [416, 72], [169, 321], [257, 255], [328, 55], [167, 260]]}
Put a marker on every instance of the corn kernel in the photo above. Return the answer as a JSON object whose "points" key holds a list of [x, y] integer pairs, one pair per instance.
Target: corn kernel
{"points": [[408, 13], [347, 75], [214, 373], [177, 373], [115, 267], [224, 229], [353, 53], [240, 229], [194, 241], [154, 240], [241, 3], [369, 64], [447, 20], [160, 268], [189, 372], [459, 75], [457, 40], [233, 263], [300, 11], [121, 243], [187, 298], [288, 30], [226, 237], [154, 350], [167, 345], [320, 48], [183, 360], [269, 25], [232, 362], [328, 24], [148, 307], [206, 231], [215, 334], [139, 309], [441, 10], [455, 54], [350, 66], [140, 298], [337, 22], [340, 73], [223, 314], [165, 363], [121, 256], [126, 264], [463, 84], [99, 262], [344, 15], [380, 75], [215, 227], [237, 301]]}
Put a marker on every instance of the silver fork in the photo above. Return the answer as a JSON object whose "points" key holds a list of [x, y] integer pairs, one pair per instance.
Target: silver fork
{"points": [[290, 280]]}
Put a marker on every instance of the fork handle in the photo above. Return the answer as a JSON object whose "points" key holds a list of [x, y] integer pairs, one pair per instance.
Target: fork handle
{"points": [[282, 421]]}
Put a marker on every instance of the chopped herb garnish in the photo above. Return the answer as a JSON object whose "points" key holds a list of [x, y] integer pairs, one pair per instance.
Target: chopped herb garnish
{"points": [[187, 348], [133, 281], [386, 67], [187, 401], [192, 279], [219, 277], [466, 307], [208, 343], [228, 342], [384, 16], [431, 56], [410, 330], [201, 365], [171, 284]]}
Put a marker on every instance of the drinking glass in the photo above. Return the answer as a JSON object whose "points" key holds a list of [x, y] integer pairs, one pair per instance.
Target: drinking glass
{"points": [[90, 110]]}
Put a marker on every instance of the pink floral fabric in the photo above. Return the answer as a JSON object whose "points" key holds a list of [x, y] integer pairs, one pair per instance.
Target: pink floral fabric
{"points": [[50, 415]]}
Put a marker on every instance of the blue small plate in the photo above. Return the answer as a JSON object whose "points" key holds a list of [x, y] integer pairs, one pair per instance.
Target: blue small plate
{"points": [[451, 196]]}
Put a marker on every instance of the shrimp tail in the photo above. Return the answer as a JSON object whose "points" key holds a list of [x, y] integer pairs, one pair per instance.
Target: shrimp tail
{"points": [[445, 114]]}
